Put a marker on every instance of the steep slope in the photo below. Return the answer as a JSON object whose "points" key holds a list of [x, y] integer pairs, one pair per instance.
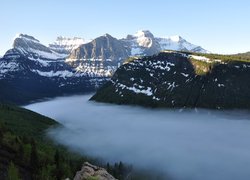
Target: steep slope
{"points": [[104, 47], [178, 79], [100, 56]]}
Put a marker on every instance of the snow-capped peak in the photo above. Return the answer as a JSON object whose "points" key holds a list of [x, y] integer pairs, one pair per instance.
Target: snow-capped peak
{"points": [[175, 38], [144, 38], [144, 33], [107, 35], [25, 37], [29, 46]]}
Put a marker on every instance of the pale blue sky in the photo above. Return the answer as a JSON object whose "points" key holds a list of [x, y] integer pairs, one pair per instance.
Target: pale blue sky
{"points": [[219, 26]]}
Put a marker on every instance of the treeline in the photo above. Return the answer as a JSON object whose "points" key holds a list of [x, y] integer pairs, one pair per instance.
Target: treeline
{"points": [[22, 157], [244, 57], [119, 170]]}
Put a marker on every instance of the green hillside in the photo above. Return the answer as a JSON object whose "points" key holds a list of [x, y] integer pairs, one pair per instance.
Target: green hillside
{"points": [[25, 153]]}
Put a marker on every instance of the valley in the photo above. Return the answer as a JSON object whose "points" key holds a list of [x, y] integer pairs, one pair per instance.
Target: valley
{"points": [[176, 144]]}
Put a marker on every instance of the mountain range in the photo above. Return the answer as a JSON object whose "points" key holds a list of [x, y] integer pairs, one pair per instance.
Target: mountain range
{"points": [[32, 70]]}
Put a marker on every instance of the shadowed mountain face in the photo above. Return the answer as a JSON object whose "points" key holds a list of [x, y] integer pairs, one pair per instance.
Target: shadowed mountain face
{"points": [[25, 80], [174, 79]]}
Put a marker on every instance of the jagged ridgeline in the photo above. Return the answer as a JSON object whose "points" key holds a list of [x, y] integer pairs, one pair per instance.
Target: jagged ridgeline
{"points": [[181, 79]]}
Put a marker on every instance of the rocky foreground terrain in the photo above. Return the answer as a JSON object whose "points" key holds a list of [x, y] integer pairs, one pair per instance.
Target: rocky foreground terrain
{"points": [[90, 171]]}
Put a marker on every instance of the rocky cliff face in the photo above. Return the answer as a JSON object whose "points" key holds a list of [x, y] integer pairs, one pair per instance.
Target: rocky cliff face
{"points": [[90, 171], [101, 56], [104, 48], [177, 79]]}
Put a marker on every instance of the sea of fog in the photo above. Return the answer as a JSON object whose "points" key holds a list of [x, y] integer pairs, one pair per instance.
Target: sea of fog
{"points": [[194, 144]]}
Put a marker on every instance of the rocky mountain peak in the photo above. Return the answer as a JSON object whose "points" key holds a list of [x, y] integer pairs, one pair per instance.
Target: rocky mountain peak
{"points": [[108, 35], [29, 46], [105, 47], [144, 33], [25, 36], [144, 38]]}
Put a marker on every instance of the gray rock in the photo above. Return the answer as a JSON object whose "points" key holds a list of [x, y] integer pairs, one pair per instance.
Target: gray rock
{"points": [[90, 171]]}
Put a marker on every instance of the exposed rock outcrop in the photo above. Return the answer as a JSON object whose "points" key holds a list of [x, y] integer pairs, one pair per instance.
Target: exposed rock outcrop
{"points": [[89, 171]]}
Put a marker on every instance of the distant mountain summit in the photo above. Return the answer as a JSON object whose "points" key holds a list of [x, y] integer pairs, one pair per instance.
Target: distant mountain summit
{"points": [[65, 45], [142, 43], [104, 47], [102, 55], [30, 47]]}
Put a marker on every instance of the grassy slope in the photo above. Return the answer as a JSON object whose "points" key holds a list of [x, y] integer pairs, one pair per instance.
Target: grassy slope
{"points": [[244, 57], [24, 122]]}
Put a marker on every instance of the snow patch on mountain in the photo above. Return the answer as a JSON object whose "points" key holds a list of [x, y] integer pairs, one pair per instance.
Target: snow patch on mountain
{"points": [[200, 58], [8, 67], [176, 43], [62, 74], [138, 90]]}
